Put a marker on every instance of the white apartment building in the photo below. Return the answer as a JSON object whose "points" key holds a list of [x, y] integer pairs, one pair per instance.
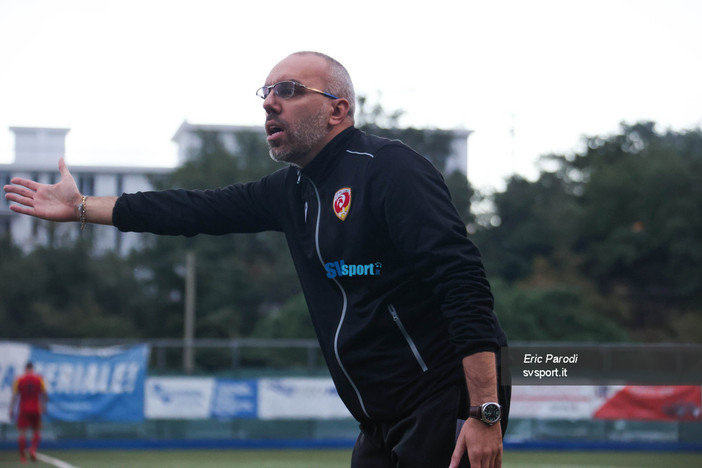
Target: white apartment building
{"points": [[38, 149]]}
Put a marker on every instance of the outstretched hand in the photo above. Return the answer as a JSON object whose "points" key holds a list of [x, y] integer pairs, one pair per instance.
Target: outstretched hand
{"points": [[56, 202]]}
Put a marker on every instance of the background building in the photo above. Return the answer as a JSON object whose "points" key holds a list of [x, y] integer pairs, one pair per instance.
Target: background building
{"points": [[38, 149]]}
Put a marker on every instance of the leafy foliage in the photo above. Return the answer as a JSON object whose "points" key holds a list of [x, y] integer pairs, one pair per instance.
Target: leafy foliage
{"points": [[603, 246], [555, 313], [623, 217], [240, 278], [66, 293]]}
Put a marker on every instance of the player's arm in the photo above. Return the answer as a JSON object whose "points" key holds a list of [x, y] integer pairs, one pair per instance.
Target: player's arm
{"points": [[483, 443], [57, 202], [43, 397], [13, 400]]}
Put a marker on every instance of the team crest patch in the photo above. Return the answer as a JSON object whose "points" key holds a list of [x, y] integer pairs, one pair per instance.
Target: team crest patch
{"points": [[342, 203]]}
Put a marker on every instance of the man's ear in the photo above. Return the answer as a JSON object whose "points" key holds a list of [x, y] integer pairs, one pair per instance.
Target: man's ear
{"points": [[340, 110]]}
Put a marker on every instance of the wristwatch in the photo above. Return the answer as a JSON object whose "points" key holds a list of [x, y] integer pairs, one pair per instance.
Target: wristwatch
{"points": [[489, 413]]}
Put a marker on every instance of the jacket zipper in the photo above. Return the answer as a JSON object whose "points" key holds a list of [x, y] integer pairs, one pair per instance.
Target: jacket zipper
{"points": [[408, 338], [343, 293]]}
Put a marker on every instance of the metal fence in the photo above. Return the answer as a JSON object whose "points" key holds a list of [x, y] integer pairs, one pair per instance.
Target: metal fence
{"points": [[603, 363], [170, 355]]}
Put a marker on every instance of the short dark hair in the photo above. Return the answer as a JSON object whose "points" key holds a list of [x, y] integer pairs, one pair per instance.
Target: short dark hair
{"points": [[29, 365]]}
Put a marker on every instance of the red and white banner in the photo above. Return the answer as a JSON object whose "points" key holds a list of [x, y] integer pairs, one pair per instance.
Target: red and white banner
{"points": [[653, 403], [630, 402], [557, 401]]}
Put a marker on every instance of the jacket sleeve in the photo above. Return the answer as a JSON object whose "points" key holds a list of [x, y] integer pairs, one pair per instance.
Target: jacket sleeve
{"points": [[424, 225], [237, 208]]}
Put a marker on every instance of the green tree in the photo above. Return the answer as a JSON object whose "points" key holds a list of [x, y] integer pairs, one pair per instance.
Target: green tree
{"points": [[620, 222], [558, 312], [641, 221], [290, 321], [534, 219], [241, 278], [65, 292]]}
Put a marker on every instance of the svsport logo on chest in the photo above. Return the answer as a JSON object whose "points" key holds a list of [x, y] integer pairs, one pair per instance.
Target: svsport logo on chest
{"points": [[342, 203]]}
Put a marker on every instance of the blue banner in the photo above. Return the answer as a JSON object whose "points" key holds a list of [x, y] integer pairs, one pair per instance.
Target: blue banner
{"points": [[93, 384]]}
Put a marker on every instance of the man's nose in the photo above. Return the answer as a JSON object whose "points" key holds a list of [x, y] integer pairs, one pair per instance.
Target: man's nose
{"points": [[271, 104]]}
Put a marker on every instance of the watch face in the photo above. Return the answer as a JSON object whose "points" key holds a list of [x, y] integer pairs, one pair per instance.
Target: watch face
{"points": [[491, 413]]}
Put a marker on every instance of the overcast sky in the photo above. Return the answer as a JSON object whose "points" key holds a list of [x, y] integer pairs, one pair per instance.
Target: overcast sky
{"points": [[527, 77]]}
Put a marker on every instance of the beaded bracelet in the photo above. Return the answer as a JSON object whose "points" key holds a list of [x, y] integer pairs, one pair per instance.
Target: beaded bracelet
{"points": [[81, 211]]}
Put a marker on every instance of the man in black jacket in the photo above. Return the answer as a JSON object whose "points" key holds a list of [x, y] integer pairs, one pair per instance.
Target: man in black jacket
{"points": [[396, 291]]}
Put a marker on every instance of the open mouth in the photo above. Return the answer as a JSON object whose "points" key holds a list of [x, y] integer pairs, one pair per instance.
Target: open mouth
{"points": [[273, 129]]}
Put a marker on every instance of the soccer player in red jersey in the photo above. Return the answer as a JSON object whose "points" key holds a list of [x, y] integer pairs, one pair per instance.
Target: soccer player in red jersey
{"points": [[29, 389]]}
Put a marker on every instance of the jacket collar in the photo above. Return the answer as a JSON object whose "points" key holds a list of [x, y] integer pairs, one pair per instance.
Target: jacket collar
{"points": [[325, 161]]}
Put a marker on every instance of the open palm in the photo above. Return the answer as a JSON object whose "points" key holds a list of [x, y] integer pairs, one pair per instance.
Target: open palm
{"points": [[54, 202]]}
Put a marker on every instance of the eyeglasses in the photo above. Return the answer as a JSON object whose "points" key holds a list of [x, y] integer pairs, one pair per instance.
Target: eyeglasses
{"points": [[286, 90]]}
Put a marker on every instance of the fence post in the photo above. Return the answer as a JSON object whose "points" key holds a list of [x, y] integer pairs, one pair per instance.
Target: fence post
{"points": [[190, 294], [236, 355]]}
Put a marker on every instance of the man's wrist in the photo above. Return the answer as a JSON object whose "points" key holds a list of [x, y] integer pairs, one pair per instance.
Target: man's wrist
{"points": [[489, 413], [77, 209], [82, 211]]}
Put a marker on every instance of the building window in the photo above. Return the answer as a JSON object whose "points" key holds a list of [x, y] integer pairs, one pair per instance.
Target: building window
{"points": [[119, 182], [4, 180], [86, 184]]}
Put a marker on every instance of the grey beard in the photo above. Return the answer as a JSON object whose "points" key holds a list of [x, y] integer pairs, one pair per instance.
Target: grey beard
{"points": [[302, 137]]}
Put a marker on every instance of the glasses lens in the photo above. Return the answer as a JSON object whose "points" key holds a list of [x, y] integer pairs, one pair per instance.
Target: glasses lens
{"points": [[285, 89], [263, 92]]}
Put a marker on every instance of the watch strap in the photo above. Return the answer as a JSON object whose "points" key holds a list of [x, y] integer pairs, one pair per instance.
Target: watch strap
{"points": [[475, 412]]}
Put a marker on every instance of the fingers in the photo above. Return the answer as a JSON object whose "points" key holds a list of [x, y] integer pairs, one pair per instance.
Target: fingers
{"points": [[63, 169], [18, 181], [489, 460], [21, 195], [21, 209], [18, 199], [482, 444], [457, 455], [18, 191], [485, 459]]}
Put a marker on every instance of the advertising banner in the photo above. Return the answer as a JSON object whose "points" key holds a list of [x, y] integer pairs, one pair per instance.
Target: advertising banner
{"points": [[299, 398], [13, 357], [621, 402], [93, 384], [557, 401], [235, 399], [654, 403], [179, 397]]}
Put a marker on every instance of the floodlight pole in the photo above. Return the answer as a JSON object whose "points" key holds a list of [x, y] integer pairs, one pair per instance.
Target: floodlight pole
{"points": [[189, 325]]}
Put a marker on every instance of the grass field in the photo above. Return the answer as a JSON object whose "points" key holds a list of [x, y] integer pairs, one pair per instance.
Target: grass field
{"points": [[332, 459]]}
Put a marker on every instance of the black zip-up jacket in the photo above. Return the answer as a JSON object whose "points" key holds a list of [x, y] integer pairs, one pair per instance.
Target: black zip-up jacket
{"points": [[396, 291]]}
